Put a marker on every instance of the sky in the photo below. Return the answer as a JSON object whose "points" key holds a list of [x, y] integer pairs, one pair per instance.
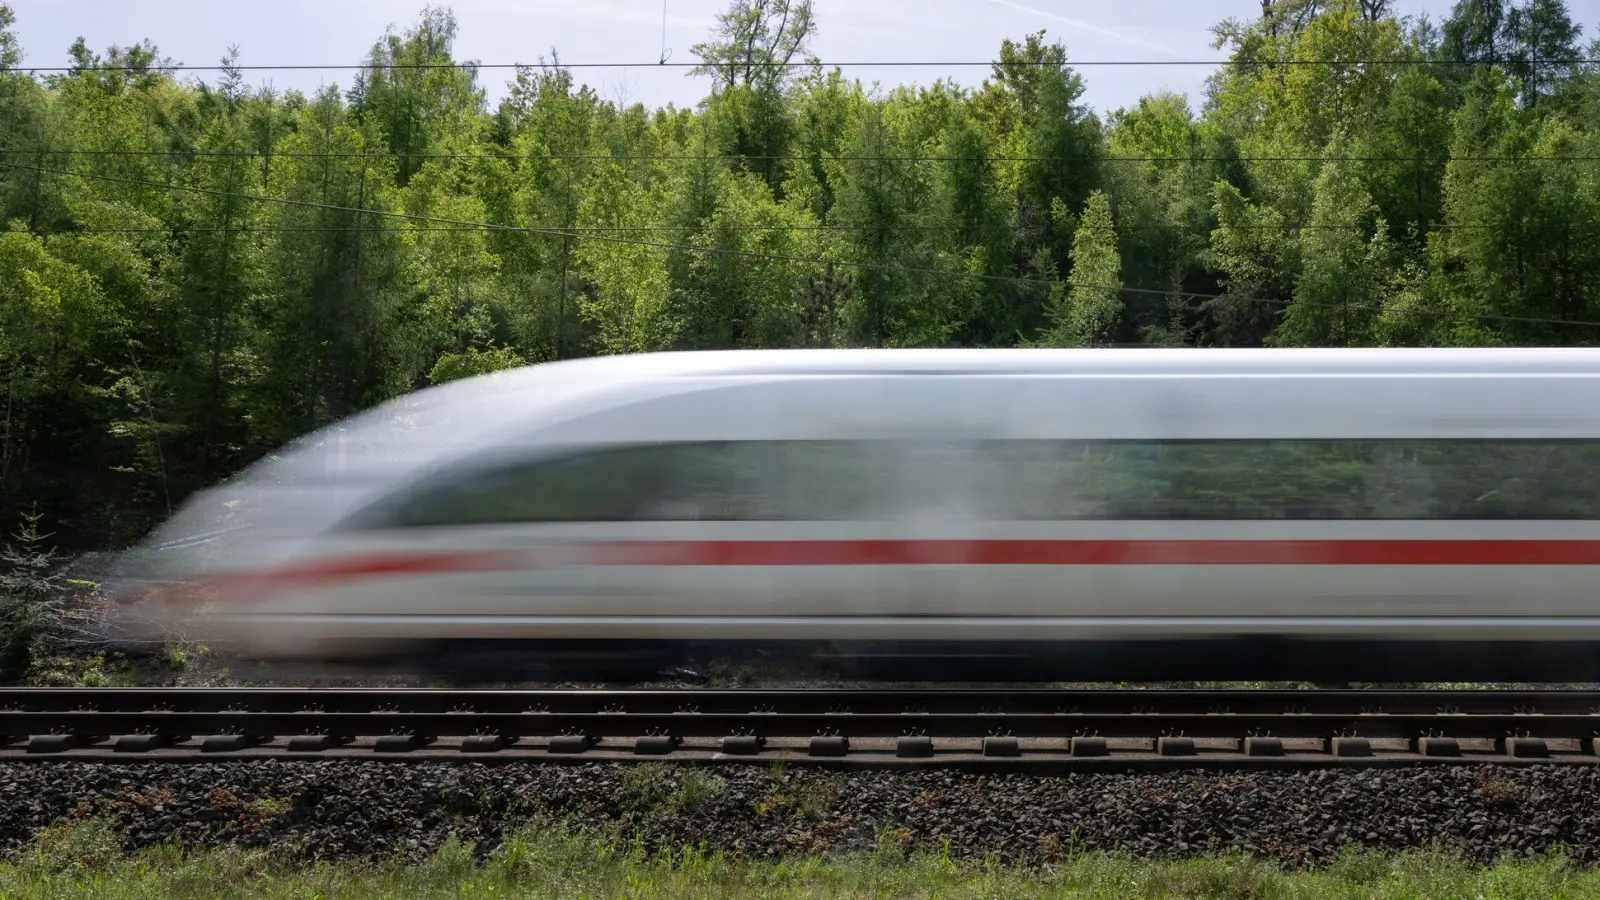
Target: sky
{"points": [[324, 32]]}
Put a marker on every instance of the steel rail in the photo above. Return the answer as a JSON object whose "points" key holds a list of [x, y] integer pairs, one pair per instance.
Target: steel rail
{"points": [[797, 725], [916, 727], [877, 700]]}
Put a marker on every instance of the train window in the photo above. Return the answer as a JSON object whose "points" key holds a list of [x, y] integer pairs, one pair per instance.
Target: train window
{"points": [[1021, 480], [1298, 480], [728, 481]]}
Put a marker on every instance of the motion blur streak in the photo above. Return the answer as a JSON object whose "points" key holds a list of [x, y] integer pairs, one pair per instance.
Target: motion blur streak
{"points": [[939, 553], [1106, 506]]}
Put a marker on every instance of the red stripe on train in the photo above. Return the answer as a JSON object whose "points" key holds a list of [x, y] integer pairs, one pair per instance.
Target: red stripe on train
{"points": [[933, 553], [1096, 553]]}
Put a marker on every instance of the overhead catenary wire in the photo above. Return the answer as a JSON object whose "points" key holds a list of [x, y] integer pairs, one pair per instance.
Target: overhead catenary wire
{"points": [[576, 230], [780, 257], [712, 157], [155, 67]]}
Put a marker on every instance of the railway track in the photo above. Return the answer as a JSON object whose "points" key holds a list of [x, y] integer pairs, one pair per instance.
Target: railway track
{"points": [[1025, 729]]}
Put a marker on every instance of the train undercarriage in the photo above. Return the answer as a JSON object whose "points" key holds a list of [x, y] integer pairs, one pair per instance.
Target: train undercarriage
{"points": [[1320, 661]]}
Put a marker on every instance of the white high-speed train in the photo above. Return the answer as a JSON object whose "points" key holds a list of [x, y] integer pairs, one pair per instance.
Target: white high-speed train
{"points": [[1103, 514]]}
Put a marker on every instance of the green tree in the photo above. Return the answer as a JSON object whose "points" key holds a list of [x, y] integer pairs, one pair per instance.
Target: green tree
{"points": [[24, 126], [193, 273], [756, 40], [626, 301], [1475, 31], [53, 319], [1408, 150], [1086, 314], [1543, 48], [335, 336], [1512, 245], [10, 47], [872, 190], [826, 110], [1030, 109], [472, 362], [415, 91], [555, 139], [1345, 263], [31, 596], [745, 280], [220, 269], [1162, 178], [967, 215], [1257, 259]]}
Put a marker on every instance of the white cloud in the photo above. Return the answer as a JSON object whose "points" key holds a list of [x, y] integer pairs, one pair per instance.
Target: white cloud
{"points": [[1087, 26], [896, 12], [632, 13]]}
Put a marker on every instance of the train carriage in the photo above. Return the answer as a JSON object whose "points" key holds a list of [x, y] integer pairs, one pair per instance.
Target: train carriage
{"points": [[1105, 514]]}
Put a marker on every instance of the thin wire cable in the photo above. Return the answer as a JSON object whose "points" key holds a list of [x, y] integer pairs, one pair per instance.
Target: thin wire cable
{"points": [[780, 257], [794, 64], [572, 230], [666, 54], [711, 157]]}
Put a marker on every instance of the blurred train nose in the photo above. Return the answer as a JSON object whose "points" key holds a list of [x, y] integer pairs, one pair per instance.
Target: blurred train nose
{"points": [[140, 615]]}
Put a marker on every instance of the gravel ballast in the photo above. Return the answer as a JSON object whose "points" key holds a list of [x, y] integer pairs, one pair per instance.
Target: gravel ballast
{"points": [[341, 809]]}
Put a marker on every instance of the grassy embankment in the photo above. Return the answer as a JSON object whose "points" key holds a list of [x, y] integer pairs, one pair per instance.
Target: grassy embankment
{"points": [[85, 860]]}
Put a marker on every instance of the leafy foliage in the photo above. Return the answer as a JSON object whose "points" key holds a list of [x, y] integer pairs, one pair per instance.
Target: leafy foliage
{"points": [[755, 41], [1086, 314], [193, 274]]}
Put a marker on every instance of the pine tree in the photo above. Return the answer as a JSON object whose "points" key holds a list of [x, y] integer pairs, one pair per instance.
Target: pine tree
{"points": [[31, 596]]}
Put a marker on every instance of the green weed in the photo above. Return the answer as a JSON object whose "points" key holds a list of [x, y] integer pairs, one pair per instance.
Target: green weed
{"points": [[87, 859]]}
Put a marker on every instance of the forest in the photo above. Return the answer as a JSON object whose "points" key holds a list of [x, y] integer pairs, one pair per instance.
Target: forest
{"points": [[194, 271]]}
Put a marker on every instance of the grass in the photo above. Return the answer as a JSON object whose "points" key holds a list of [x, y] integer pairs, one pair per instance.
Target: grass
{"points": [[86, 860], [667, 790]]}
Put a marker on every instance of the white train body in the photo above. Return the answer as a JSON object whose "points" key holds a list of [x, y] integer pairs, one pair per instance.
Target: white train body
{"points": [[1362, 511]]}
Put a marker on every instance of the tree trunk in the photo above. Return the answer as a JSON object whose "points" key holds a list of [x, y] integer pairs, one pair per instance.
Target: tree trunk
{"points": [[219, 322], [5, 439]]}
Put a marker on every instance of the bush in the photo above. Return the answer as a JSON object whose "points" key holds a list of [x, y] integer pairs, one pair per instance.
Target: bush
{"points": [[32, 596]]}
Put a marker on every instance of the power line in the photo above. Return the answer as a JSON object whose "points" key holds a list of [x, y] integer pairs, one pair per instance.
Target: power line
{"points": [[779, 257], [792, 64], [1361, 307], [712, 157], [579, 230]]}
